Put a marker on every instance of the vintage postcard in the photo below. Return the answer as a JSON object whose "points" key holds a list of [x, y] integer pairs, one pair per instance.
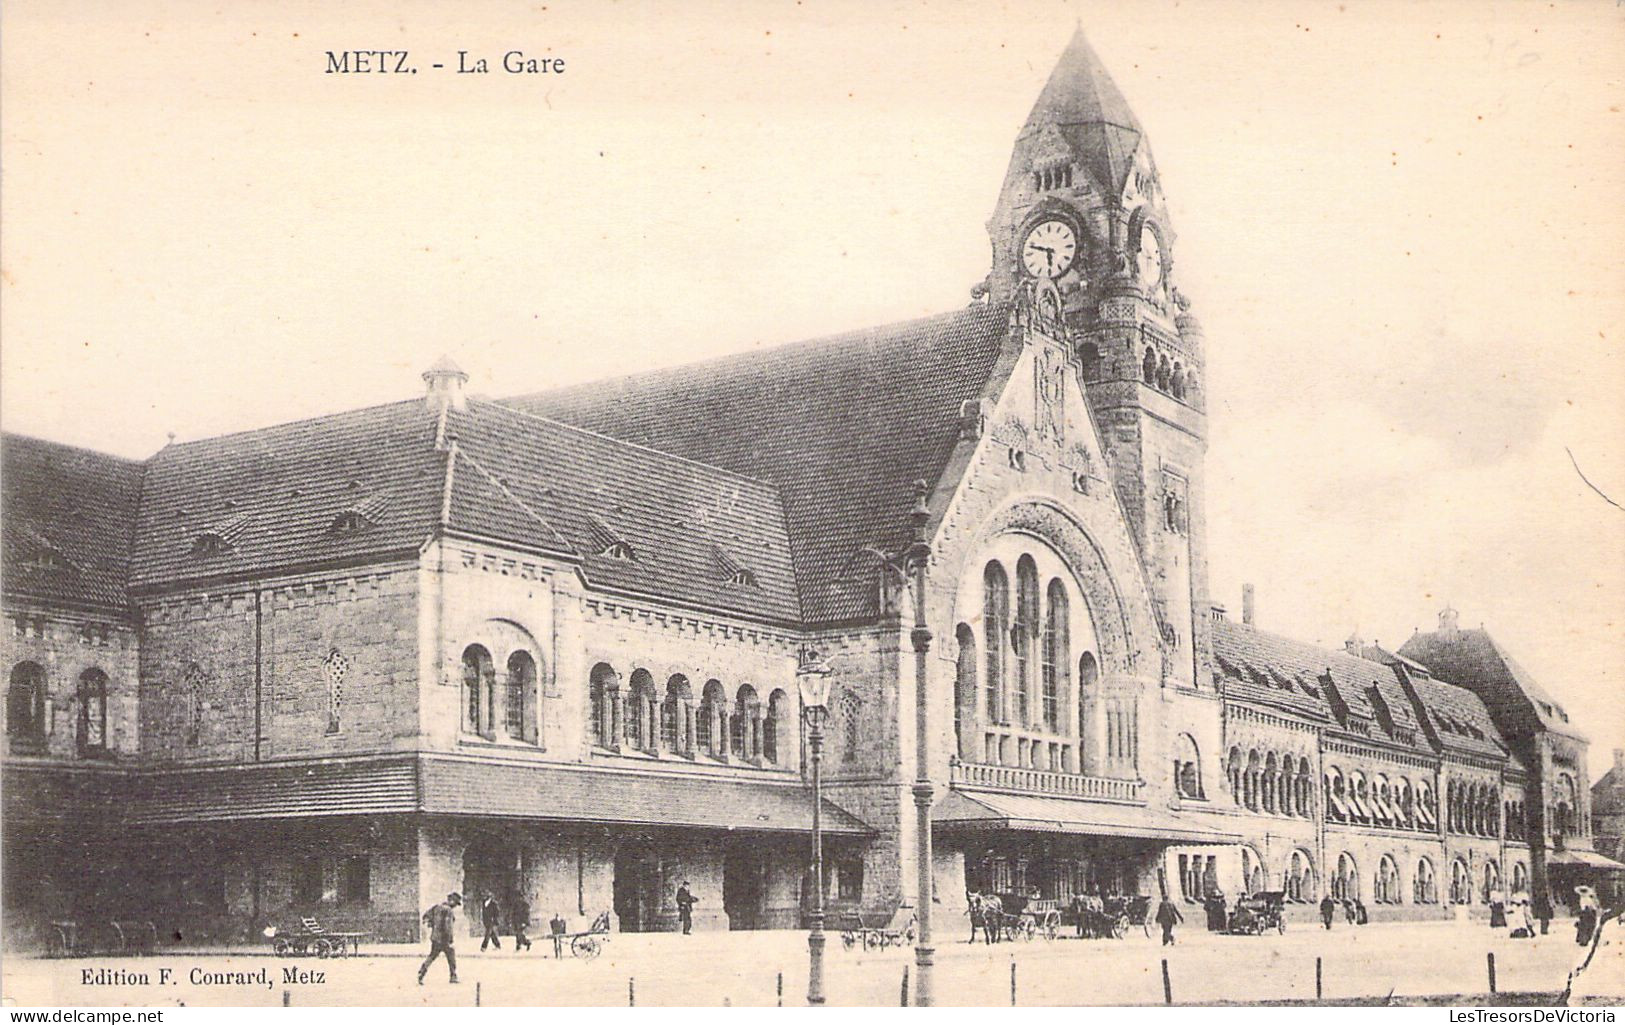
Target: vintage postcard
{"points": [[777, 504]]}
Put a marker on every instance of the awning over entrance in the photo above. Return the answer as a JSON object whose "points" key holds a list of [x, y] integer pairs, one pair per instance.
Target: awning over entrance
{"points": [[659, 797], [1584, 859], [664, 795], [963, 810]]}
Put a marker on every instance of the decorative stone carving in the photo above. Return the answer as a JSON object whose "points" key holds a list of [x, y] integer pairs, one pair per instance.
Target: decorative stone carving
{"points": [[973, 414], [1049, 386]]}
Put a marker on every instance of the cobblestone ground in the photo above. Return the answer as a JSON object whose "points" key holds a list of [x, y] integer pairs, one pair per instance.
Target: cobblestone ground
{"points": [[743, 969]]}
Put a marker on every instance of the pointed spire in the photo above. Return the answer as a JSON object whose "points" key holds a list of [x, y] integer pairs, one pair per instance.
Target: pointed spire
{"points": [[1079, 91], [1081, 104]]}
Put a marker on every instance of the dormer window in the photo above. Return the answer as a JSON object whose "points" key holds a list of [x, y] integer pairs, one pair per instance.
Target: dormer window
{"points": [[220, 538], [607, 541], [210, 544], [349, 522], [359, 517], [732, 572]]}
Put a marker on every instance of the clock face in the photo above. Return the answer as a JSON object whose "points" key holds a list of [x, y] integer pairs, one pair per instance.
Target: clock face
{"points": [[1048, 249], [1150, 259]]}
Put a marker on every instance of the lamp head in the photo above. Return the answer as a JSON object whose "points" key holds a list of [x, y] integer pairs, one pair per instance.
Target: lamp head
{"points": [[812, 679]]}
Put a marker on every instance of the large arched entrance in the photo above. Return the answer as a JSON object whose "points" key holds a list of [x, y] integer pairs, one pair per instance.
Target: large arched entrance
{"points": [[637, 889], [744, 886], [490, 866]]}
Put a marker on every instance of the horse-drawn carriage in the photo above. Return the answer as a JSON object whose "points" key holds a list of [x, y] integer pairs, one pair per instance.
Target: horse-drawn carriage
{"points": [[1099, 917], [1258, 913], [1012, 916], [897, 930]]}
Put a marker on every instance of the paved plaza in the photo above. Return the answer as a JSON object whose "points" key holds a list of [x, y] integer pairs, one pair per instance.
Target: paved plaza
{"points": [[743, 969]]}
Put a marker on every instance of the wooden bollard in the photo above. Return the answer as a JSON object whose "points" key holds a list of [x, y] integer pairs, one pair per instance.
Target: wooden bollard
{"points": [[1317, 978], [781, 989], [631, 992], [476, 993], [1167, 987], [1012, 984], [285, 998], [1490, 958], [902, 993]]}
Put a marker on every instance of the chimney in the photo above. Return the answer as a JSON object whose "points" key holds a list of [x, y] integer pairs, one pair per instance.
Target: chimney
{"points": [[1247, 605], [1448, 619], [1218, 612], [445, 380], [1355, 645]]}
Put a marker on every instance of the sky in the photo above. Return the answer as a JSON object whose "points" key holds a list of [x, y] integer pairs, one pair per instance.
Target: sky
{"points": [[1400, 224]]}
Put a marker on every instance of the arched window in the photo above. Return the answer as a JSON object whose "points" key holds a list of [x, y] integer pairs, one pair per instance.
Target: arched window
{"points": [[1425, 888], [335, 667], [92, 734], [1148, 367], [1300, 877], [1404, 805], [1024, 637], [964, 689], [194, 689], [1252, 872], [605, 689], [746, 738], [25, 701], [849, 711], [1520, 878], [1461, 883], [777, 729], [1427, 813], [996, 627], [1057, 656], [1177, 381], [1306, 789], [1163, 372], [1567, 801], [1346, 883], [519, 701], [1492, 882], [641, 713], [1272, 771], [710, 729], [1232, 772], [676, 731], [479, 686], [1187, 767], [1387, 890], [1255, 768]]}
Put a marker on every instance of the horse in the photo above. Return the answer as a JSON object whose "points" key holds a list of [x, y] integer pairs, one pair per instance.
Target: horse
{"points": [[986, 913]]}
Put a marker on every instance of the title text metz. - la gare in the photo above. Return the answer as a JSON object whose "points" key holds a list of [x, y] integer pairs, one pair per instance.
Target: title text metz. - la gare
{"points": [[386, 62]]}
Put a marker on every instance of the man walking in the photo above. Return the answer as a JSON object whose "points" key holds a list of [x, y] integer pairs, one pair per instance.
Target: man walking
{"points": [[489, 912], [521, 923], [1328, 909], [1167, 917], [685, 907], [1543, 911], [442, 937]]}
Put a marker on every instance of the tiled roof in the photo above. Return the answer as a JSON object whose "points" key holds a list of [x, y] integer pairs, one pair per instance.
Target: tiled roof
{"points": [[278, 493], [569, 484], [1267, 669], [1473, 659], [841, 426], [1608, 793], [68, 514], [1458, 716]]}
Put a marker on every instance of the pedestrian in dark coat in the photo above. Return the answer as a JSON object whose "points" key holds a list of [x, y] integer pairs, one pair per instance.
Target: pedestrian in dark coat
{"points": [[1543, 911], [520, 916], [1168, 916], [441, 920], [1328, 909], [685, 907], [1348, 911], [1585, 922], [490, 913], [1360, 915]]}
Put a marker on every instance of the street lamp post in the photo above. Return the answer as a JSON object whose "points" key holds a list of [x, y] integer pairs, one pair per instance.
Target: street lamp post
{"points": [[911, 565], [812, 679]]}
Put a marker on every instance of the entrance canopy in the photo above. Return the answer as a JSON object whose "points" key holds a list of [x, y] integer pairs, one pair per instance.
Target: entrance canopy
{"points": [[1583, 859], [973, 811]]}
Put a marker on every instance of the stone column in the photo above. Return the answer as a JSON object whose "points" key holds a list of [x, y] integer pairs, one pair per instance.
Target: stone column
{"points": [[756, 735], [687, 727], [721, 738], [617, 719]]}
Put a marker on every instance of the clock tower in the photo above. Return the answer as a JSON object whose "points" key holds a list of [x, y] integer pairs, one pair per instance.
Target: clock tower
{"points": [[1082, 206]]}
